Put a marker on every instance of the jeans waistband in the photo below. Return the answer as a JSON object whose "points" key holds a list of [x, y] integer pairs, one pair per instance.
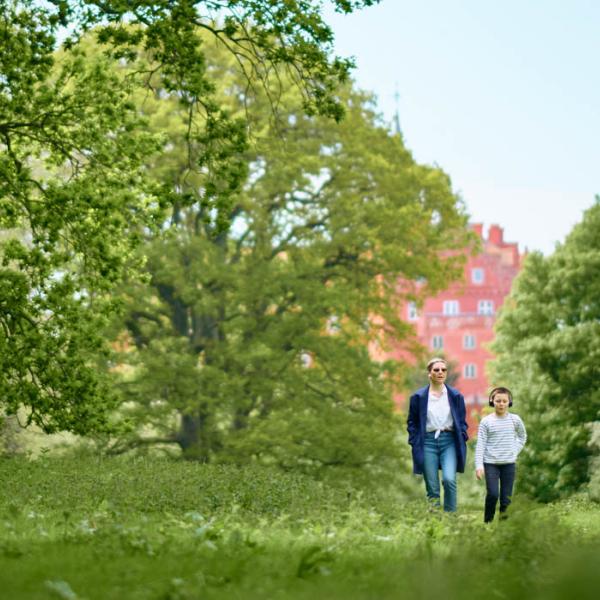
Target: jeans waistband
{"points": [[438, 432]]}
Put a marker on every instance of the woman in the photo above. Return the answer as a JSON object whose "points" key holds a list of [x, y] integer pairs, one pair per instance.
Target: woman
{"points": [[437, 432]]}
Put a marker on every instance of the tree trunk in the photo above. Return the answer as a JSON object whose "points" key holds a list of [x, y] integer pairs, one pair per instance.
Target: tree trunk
{"points": [[196, 437]]}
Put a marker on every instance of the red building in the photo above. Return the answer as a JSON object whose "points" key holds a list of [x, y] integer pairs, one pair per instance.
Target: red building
{"points": [[459, 321]]}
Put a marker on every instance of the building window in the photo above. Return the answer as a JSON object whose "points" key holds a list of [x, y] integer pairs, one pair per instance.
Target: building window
{"points": [[451, 307], [485, 307], [469, 342], [470, 371], [477, 275], [413, 315], [437, 343]]}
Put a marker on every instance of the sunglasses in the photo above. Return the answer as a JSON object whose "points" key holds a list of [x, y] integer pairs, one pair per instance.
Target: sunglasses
{"points": [[439, 370]]}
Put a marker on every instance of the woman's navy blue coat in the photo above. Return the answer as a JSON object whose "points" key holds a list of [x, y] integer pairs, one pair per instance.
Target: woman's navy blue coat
{"points": [[417, 420]]}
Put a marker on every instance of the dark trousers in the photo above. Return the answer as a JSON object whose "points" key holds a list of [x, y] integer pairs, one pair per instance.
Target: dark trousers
{"points": [[499, 481]]}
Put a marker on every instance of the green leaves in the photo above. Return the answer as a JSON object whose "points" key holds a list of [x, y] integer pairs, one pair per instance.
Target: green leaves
{"points": [[548, 352], [80, 176], [252, 343], [71, 199], [262, 35]]}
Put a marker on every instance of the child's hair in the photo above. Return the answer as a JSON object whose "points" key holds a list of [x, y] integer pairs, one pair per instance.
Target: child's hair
{"points": [[435, 360], [500, 390]]}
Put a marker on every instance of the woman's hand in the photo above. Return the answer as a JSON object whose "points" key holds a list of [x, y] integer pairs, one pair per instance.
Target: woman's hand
{"points": [[479, 473]]}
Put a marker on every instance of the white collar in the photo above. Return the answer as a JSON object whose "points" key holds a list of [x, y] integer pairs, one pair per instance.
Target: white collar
{"points": [[444, 391]]}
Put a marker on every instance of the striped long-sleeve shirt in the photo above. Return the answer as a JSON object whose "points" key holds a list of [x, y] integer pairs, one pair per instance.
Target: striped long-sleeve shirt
{"points": [[499, 440]]}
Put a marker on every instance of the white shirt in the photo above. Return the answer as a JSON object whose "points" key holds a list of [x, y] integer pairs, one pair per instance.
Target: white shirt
{"points": [[439, 416]]}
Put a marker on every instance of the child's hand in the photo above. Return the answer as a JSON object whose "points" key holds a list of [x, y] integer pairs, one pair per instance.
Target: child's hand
{"points": [[479, 473]]}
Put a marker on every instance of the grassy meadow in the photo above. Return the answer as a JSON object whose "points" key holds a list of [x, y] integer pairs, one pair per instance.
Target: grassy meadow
{"points": [[85, 527]]}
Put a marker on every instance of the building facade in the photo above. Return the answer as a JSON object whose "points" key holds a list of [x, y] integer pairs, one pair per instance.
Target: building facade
{"points": [[459, 321]]}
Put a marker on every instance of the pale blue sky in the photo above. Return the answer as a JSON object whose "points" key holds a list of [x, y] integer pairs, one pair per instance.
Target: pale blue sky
{"points": [[504, 96]]}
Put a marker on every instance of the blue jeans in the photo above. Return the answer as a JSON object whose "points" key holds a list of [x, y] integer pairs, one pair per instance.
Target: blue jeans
{"points": [[440, 453], [499, 481]]}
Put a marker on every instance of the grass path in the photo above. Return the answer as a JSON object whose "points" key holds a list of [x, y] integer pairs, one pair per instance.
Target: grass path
{"points": [[76, 528]]}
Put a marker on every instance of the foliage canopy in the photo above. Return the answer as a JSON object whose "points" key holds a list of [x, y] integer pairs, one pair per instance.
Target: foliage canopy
{"points": [[74, 188], [548, 353], [255, 342]]}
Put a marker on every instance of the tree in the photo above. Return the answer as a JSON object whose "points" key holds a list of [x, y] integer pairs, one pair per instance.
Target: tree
{"points": [[253, 342], [74, 191], [70, 173], [547, 353]]}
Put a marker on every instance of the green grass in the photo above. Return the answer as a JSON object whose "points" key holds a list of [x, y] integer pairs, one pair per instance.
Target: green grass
{"points": [[85, 527]]}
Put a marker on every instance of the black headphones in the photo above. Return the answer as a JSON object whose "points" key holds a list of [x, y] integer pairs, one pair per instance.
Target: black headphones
{"points": [[501, 390]]}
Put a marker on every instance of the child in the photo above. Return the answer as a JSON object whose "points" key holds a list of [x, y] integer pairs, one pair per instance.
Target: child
{"points": [[501, 437]]}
